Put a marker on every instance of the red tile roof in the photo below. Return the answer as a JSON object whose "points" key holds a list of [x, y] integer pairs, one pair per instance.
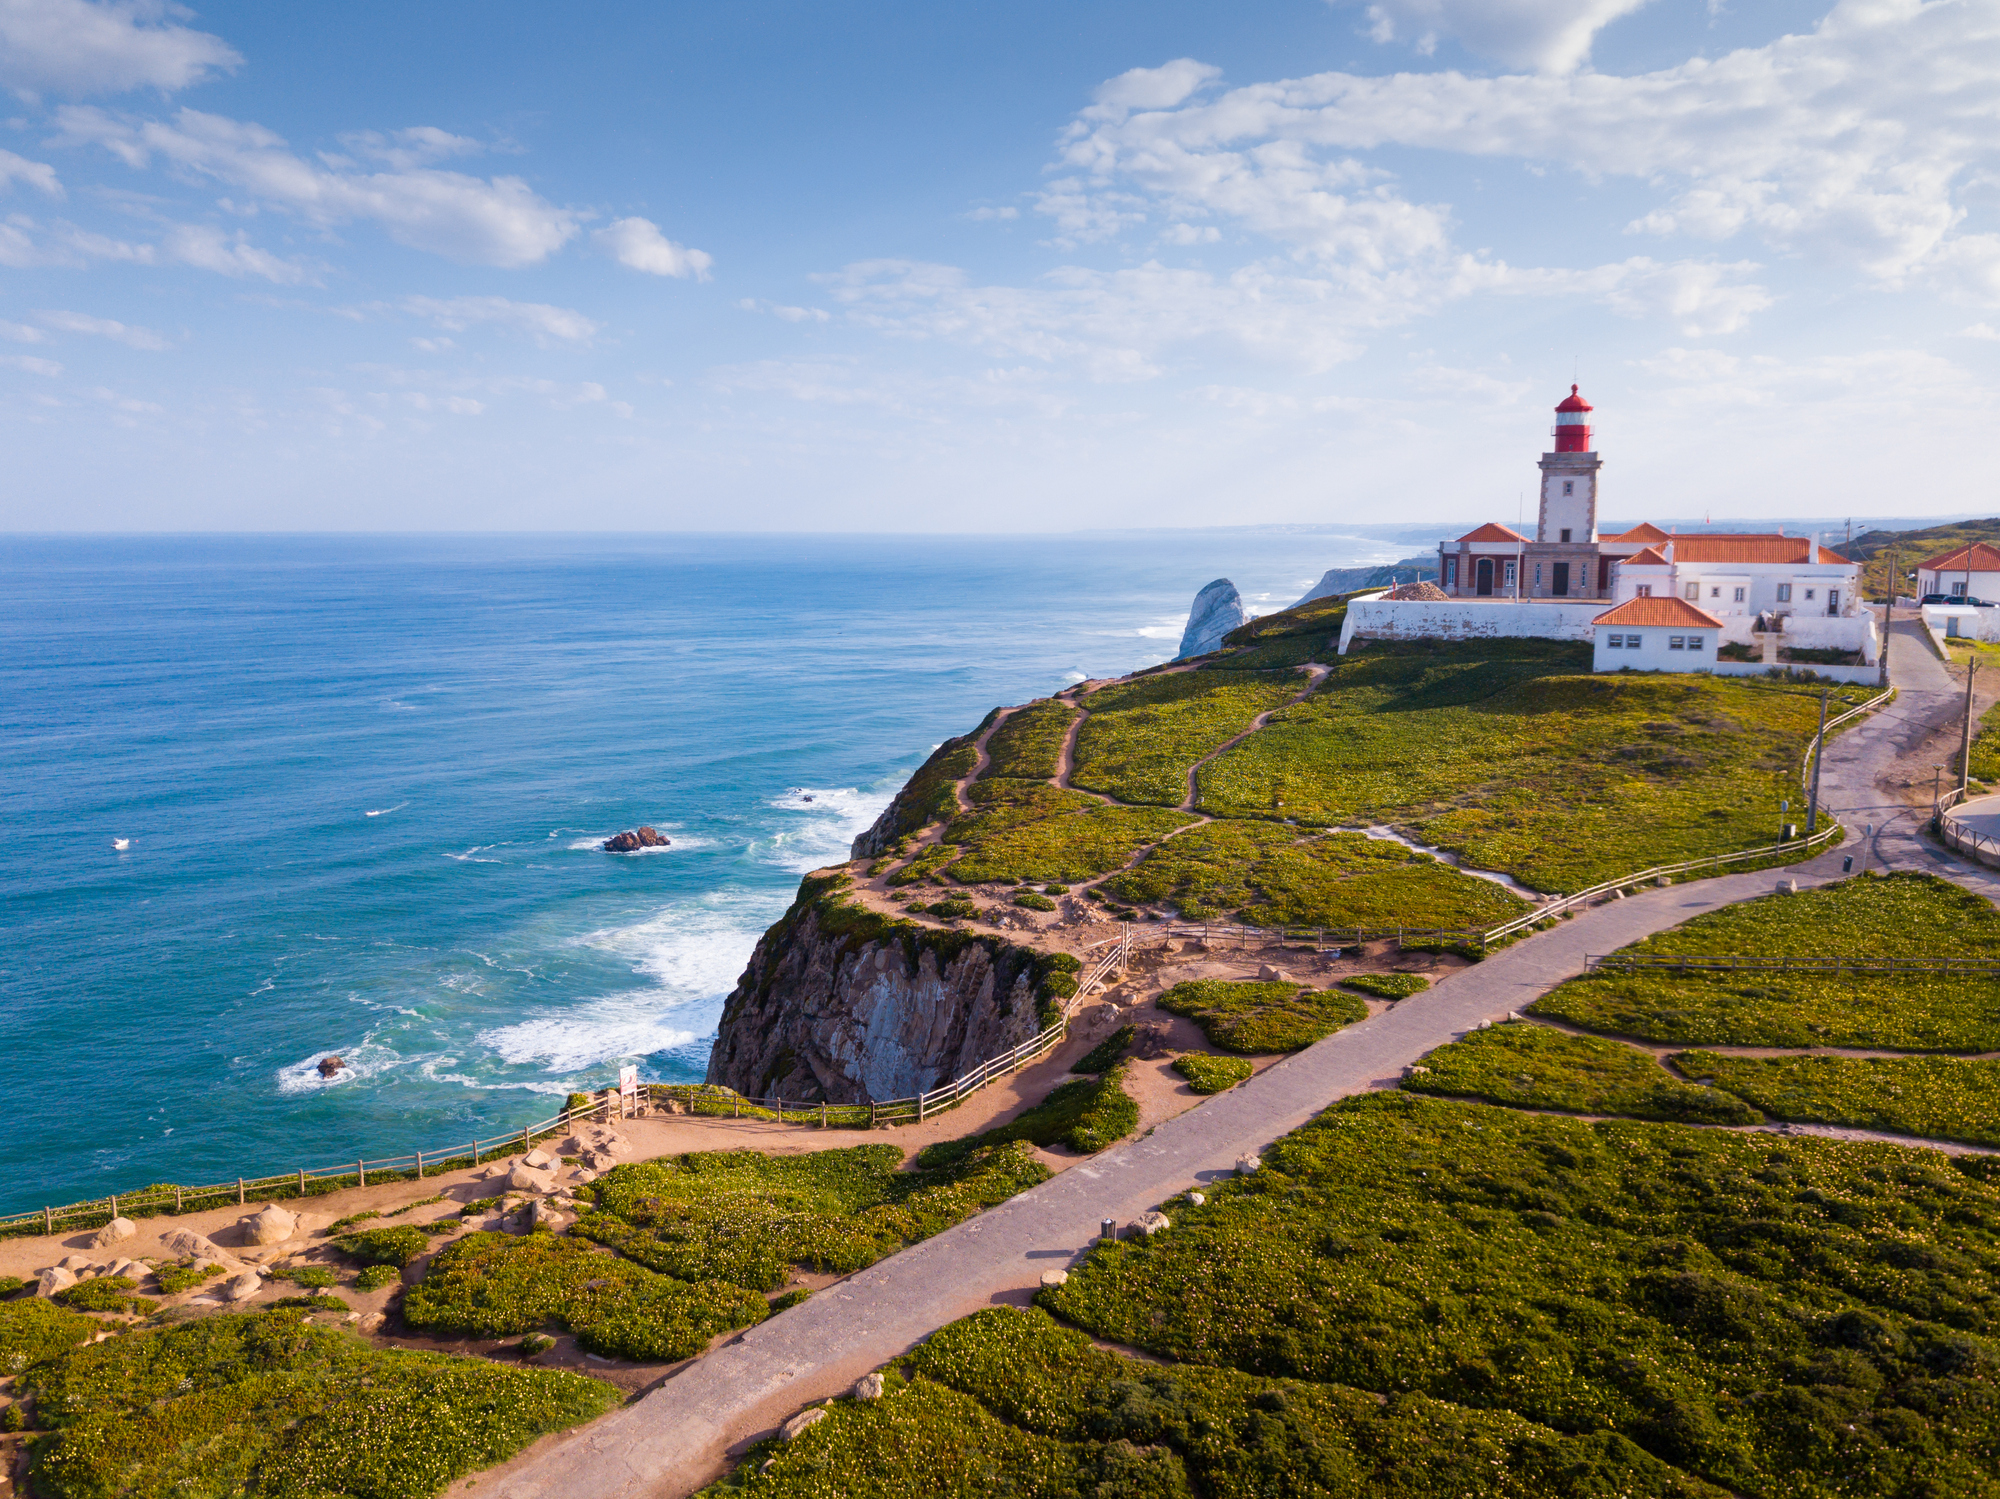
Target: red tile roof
{"points": [[1650, 557], [1644, 531], [1755, 547], [1660, 611], [1984, 559], [1492, 532]]}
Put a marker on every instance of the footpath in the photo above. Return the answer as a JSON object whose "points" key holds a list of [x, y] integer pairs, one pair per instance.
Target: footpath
{"points": [[680, 1435]]}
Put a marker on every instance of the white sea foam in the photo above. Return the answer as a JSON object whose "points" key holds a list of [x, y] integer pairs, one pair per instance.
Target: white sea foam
{"points": [[829, 821], [471, 855], [367, 1058], [680, 842], [1160, 632], [385, 811]]}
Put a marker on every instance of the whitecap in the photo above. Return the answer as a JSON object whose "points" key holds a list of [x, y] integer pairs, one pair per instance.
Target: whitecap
{"points": [[469, 856], [1160, 632], [830, 820], [384, 811], [368, 1059]]}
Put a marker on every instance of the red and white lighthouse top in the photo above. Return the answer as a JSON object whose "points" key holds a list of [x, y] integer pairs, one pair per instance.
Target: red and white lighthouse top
{"points": [[1573, 424]]}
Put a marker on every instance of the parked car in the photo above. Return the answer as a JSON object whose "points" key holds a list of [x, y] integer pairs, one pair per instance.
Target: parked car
{"points": [[1946, 598]]}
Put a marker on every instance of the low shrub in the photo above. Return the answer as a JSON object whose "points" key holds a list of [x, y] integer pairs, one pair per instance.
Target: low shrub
{"points": [[340, 1224], [385, 1246], [107, 1293], [1938, 1098], [577, 1103], [1106, 1052], [790, 1299], [312, 1277], [1055, 890], [1262, 1017], [1387, 985], [1206, 1074], [268, 1404], [1086, 1115], [421, 1202], [1034, 902], [374, 1277], [536, 1344], [183, 1275], [9, 1284], [1535, 1066], [32, 1331], [951, 910], [309, 1304]]}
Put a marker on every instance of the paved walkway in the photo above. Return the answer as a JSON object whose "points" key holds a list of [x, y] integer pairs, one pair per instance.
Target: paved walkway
{"points": [[677, 1437], [1912, 661]]}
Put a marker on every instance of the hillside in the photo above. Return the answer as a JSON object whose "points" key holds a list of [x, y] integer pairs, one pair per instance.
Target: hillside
{"points": [[1912, 547]]}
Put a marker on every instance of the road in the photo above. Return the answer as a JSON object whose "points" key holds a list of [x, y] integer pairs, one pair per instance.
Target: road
{"points": [[678, 1436]]}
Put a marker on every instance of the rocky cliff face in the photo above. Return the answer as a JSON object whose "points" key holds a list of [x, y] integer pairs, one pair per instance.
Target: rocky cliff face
{"points": [[844, 1005], [1217, 610]]}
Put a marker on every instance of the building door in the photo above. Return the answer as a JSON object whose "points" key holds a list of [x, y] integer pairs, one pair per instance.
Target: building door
{"points": [[1485, 577], [1560, 585], [1604, 577], [1833, 601]]}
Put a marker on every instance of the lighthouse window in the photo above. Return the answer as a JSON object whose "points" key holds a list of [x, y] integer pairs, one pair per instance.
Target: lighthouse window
{"points": [[1645, 590], [1510, 575], [1569, 487], [1565, 535]]}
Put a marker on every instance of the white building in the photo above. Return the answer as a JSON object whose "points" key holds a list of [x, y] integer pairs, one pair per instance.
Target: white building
{"points": [[1969, 572], [1483, 564], [1768, 574], [1656, 634]]}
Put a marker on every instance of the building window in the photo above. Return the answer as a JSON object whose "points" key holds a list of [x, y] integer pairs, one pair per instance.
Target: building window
{"points": [[1451, 572], [1569, 487], [1739, 595], [1510, 574], [1538, 577], [1694, 642], [1676, 642], [1645, 590], [1565, 537], [1957, 589], [1784, 593], [1715, 593], [1694, 590], [1809, 594]]}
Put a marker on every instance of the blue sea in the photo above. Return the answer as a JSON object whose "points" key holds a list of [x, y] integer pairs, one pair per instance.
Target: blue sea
{"points": [[365, 781]]}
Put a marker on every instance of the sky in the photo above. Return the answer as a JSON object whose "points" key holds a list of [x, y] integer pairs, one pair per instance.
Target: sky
{"points": [[1036, 267]]}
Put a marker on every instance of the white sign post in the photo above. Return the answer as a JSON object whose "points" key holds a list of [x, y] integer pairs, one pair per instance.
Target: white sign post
{"points": [[628, 1088]]}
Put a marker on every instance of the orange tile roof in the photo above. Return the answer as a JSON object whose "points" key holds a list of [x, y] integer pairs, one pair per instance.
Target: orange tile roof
{"points": [[1649, 558], [1644, 531], [1984, 559], [1492, 532], [1756, 547], [1659, 611]]}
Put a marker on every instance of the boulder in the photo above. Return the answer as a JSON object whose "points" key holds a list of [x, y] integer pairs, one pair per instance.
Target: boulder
{"points": [[270, 1224], [1247, 1164], [75, 1262], [242, 1287], [544, 1214], [527, 1179], [800, 1424], [185, 1243], [1269, 975], [1196, 1199], [538, 1158], [55, 1278], [1148, 1224], [330, 1065], [127, 1267], [1055, 1277], [117, 1231], [632, 842], [585, 1174], [868, 1387], [1217, 610]]}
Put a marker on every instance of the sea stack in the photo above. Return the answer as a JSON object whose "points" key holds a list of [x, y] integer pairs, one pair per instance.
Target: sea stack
{"points": [[1217, 610], [630, 842]]}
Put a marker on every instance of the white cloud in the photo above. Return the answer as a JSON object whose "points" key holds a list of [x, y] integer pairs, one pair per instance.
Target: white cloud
{"points": [[638, 245], [76, 48], [129, 334], [31, 364], [1980, 330], [419, 146], [21, 333], [456, 314], [986, 215], [1553, 36], [211, 249], [496, 221], [36, 174], [785, 314], [1163, 87], [1702, 297]]}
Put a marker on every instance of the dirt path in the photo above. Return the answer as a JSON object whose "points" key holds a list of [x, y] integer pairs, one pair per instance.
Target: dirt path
{"points": [[1313, 670]]}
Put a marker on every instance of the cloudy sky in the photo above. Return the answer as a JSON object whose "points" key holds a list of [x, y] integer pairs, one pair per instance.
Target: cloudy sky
{"points": [[903, 266]]}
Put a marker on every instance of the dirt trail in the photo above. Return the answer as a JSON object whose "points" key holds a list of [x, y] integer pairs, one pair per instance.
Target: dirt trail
{"points": [[1313, 669]]}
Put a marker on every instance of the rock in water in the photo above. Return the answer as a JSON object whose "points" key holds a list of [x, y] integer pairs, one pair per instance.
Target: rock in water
{"points": [[330, 1065], [1217, 610], [630, 842]]}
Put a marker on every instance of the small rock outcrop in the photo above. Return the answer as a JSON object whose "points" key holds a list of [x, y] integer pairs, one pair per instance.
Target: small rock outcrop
{"points": [[270, 1224], [330, 1065], [1217, 610], [242, 1287], [52, 1280], [631, 842], [800, 1424], [868, 1387], [117, 1231], [527, 1179]]}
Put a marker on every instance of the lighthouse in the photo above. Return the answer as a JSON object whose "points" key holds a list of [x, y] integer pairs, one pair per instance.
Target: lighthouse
{"points": [[1564, 560]]}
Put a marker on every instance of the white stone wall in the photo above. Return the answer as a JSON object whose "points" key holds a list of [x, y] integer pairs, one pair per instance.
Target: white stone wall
{"points": [[1971, 623], [1376, 618], [1847, 632], [1866, 676]]}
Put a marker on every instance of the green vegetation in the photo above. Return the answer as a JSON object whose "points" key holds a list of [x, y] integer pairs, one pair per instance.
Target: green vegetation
{"points": [[1009, 1403], [1023, 830], [183, 1275], [1319, 620], [790, 1299], [1779, 1317], [421, 1202], [1913, 916], [1206, 1074], [1532, 1066], [386, 1246], [1086, 1114], [9, 1284], [1270, 874], [955, 909], [374, 1277], [576, 1103], [33, 1331], [106, 1293], [1514, 755], [1985, 759], [930, 795], [1143, 737], [312, 1277], [925, 866], [1938, 1098], [1387, 985], [1034, 902], [267, 1404], [1912, 547], [1028, 744], [1106, 1053], [339, 1224], [1262, 1017], [309, 1304]]}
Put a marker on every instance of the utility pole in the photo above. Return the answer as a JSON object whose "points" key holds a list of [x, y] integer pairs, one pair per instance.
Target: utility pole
{"points": [[1965, 741], [1888, 617], [1819, 755]]}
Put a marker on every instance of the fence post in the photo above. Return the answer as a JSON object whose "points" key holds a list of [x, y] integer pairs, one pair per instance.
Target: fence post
{"points": [[114, 1204], [920, 1107], [239, 1191], [871, 1113], [736, 1110], [177, 1199], [526, 1143], [48, 1220], [475, 1152], [302, 1181], [420, 1165], [361, 1172], [822, 1113]]}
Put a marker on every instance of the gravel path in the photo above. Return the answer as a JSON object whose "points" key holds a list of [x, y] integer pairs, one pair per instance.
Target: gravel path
{"points": [[680, 1436]]}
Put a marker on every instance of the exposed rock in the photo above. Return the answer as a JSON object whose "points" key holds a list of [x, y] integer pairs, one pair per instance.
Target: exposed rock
{"points": [[127, 1267], [183, 1243], [1425, 593], [330, 1065], [803, 1422], [242, 1287], [1217, 610], [55, 1278], [1055, 1277], [631, 843], [1246, 1164], [1148, 1224], [538, 1158], [868, 1387], [270, 1224], [1196, 1198], [586, 1175], [117, 1231], [543, 1214], [75, 1262], [823, 1015], [527, 1179], [1271, 975]]}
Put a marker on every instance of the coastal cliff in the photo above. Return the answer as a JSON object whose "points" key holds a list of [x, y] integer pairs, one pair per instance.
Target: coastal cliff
{"points": [[842, 1004]]}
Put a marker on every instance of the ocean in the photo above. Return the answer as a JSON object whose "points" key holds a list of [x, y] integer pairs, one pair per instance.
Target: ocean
{"points": [[364, 783]]}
